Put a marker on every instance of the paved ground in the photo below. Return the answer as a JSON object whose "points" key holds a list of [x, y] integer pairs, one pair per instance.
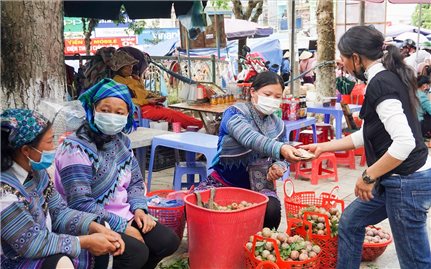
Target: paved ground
{"points": [[347, 179]]}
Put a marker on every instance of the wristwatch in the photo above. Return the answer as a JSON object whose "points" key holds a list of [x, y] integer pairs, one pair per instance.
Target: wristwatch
{"points": [[367, 179]]}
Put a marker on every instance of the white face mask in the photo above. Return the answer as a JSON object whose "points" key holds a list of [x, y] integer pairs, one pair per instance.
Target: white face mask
{"points": [[109, 123], [267, 105]]}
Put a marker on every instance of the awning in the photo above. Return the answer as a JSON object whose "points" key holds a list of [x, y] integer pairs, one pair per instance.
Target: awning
{"points": [[110, 10], [236, 29]]}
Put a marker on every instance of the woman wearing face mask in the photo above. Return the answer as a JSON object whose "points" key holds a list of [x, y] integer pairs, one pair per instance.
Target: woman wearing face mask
{"points": [[424, 110], [38, 230], [397, 183], [250, 136], [97, 172]]}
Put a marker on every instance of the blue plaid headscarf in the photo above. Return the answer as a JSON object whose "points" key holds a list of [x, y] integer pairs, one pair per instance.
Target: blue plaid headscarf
{"points": [[23, 126], [104, 89]]}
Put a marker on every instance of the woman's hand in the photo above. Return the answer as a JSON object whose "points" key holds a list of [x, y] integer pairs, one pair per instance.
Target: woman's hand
{"points": [[145, 222], [316, 149], [275, 172], [363, 190], [100, 244], [115, 237], [118, 241], [290, 153], [132, 231]]}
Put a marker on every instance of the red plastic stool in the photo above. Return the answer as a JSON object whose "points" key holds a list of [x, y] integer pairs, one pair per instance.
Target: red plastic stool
{"points": [[327, 129], [317, 171], [346, 158], [306, 137], [361, 152]]}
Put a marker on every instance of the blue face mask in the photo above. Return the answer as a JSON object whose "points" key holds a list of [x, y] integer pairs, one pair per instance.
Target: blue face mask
{"points": [[46, 160], [110, 123]]}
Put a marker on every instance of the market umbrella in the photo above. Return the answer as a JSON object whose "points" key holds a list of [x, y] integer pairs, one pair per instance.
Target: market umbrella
{"points": [[412, 36], [395, 30], [236, 29]]}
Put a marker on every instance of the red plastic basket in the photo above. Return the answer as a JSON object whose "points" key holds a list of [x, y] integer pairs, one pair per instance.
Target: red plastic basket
{"points": [[294, 201], [216, 238], [267, 265], [328, 244], [371, 251], [253, 263], [173, 217]]}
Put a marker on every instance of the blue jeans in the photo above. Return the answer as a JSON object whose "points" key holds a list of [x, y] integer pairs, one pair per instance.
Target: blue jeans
{"points": [[405, 202]]}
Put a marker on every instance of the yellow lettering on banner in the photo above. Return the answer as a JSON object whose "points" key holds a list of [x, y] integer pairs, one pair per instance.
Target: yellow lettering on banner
{"points": [[75, 42]]}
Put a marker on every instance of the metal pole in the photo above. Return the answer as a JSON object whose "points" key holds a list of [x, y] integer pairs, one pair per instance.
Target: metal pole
{"points": [[362, 13], [217, 29], [188, 57], [213, 67], [291, 5], [419, 31]]}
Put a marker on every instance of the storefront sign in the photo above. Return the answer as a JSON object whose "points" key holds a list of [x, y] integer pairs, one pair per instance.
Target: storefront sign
{"points": [[153, 35], [72, 46]]}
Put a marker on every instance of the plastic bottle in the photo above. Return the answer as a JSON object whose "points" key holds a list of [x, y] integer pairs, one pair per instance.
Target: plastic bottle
{"points": [[293, 113]]}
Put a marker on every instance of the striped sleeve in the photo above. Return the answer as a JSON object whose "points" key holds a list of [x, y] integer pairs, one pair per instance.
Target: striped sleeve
{"points": [[135, 190], [67, 220], [76, 182], [239, 128], [29, 239], [75, 172]]}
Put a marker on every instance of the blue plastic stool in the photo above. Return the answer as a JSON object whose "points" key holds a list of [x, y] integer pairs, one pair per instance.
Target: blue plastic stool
{"points": [[142, 122], [188, 141], [188, 168]]}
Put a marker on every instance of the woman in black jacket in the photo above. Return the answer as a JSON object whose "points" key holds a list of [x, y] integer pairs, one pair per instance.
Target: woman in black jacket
{"points": [[397, 183]]}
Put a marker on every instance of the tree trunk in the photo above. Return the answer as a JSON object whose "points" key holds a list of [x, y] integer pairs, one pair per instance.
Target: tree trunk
{"points": [[88, 27], [32, 54], [258, 12], [245, 15], [241, 43], [325, 79]]}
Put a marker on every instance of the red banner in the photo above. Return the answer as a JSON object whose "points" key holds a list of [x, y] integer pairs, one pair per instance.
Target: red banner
{"points": [[72, 46]]}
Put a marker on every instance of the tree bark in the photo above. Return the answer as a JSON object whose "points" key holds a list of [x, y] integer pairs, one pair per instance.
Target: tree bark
{"points": [[237, 9], [325, 76], [258, 12], [88, 26], [245, 15], [32, 53]]}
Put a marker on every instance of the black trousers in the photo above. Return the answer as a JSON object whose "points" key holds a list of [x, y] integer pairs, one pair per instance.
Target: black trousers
{"points": [[160, 242], [273, 213]]}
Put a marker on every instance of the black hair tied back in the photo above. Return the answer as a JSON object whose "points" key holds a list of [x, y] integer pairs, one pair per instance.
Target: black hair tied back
{"points": [[267, 78], [368, 42]]}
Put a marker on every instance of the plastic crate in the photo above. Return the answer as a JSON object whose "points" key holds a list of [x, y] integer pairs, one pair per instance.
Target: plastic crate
{"points": [[164, 158], [253, 263], [294, 201], [327, 243]]}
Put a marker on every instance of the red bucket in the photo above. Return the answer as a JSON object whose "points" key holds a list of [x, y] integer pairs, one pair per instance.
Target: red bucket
{"points": [[216, 238]]}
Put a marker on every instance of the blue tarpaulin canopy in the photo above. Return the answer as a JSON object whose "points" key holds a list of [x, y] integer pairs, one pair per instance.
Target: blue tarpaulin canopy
{"points": [[268, 47]]}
